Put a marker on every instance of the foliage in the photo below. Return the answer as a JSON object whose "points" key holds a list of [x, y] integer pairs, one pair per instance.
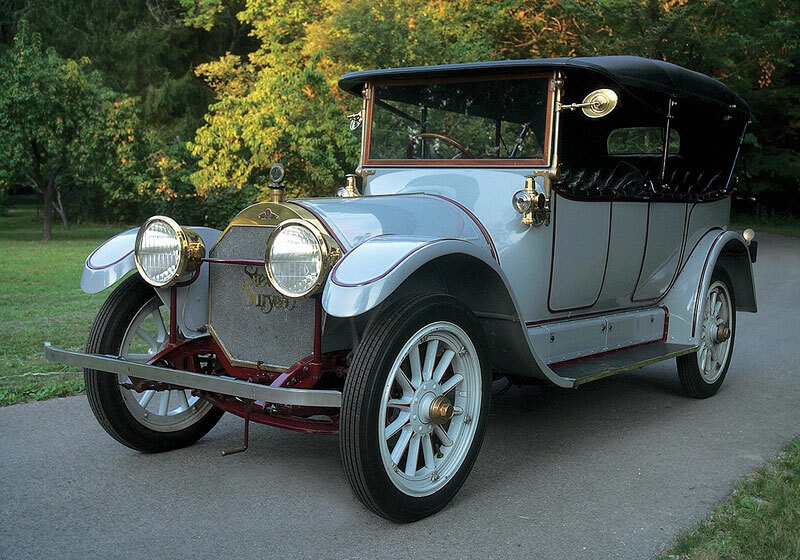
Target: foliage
{"points": [[146, 51], [61, 128], [288, 114], [144, 48], [3, 195]]}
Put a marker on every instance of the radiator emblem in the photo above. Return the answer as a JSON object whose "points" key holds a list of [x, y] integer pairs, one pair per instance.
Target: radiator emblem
{"points": [[257, 278], [268, 214]]}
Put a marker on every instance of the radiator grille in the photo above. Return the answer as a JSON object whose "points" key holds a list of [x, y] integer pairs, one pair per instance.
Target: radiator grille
{"points": [[250, 320]]}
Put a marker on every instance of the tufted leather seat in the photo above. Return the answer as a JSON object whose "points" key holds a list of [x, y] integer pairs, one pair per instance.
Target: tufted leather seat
{"points": [[612, 179], [618, 179]]}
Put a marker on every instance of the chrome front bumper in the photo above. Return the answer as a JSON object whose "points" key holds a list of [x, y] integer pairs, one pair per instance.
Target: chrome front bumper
{"points": [[191, 380]]}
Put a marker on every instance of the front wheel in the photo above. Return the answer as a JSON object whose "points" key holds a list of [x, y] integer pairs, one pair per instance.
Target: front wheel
{"points": [[132, 324], [414, 407], [701, 374]]}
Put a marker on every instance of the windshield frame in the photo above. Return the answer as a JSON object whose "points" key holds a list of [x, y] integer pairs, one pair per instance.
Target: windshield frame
{"points": [[369, 98]]}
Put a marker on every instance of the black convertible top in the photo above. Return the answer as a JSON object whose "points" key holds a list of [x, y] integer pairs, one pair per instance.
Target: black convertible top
{"points": [[627, 71]]}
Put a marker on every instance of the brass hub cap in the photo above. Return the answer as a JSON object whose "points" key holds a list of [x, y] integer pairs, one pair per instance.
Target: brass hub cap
{"points": [[723, 333], [441, 410]]}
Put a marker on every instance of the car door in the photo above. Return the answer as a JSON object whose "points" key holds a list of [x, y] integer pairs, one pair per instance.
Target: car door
{"points": [[581, 231], [666, 233]]}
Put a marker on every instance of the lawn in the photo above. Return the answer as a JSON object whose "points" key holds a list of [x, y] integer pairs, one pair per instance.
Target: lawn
{"points": [[41, 299]]}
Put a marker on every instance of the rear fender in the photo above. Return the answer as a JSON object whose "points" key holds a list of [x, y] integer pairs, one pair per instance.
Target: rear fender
{"points": [[113, 260], [724, 249]]}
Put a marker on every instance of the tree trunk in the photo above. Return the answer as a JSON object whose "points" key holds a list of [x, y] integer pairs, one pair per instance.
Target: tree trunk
{"points": [[59, 206], [46, 187], [47, 192], [49, 204]]}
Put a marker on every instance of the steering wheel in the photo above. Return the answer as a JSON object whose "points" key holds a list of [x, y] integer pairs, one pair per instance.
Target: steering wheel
{"points": [[463, 151]]}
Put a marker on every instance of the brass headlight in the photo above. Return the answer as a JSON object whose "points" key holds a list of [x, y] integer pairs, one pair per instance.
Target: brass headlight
{"points": [[164, 250], [299, 257]]}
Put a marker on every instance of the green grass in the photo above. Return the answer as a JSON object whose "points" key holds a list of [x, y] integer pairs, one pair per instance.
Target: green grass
{"points": [[760, 521], [777, 224], [41, 299]]}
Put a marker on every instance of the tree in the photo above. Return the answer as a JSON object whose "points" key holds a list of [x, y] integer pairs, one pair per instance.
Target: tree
{"points": [[59, 126], [282, 102], [144, 48], [277, 105]]}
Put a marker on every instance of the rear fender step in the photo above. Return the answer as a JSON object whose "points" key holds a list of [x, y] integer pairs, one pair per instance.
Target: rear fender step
{"points": [[593, 368]]}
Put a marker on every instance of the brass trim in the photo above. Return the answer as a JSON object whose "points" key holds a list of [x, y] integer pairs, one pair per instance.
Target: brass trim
{"points": [[191, 245], [541, 212], [595, 105], [538, 211], [331, 252], [276, 195], [542, 216], [723, 333], [350, 190], [270, 214], [441, 410], [368, 93], [635, 365], [260, 214]]}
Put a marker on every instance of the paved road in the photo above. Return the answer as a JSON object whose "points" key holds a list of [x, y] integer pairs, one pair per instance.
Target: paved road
{"points": [[613, 470]]}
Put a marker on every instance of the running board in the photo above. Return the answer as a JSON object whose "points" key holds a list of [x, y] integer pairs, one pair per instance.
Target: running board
{"points": [[591, 369]]}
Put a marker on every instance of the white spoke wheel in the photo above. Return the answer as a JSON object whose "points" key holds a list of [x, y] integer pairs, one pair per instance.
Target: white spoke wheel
{"points": [[414, 407], [132, 323], [702, 373]]}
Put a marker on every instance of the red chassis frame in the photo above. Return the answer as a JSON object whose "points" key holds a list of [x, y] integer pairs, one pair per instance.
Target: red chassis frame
{"points": [[307, 373]]}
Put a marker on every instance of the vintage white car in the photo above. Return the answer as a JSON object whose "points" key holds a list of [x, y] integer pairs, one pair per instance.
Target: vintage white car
{"points": [[544, 221]]}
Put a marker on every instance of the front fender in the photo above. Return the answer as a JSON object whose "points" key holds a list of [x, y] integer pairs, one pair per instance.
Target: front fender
{"points": [[113, 259], [107, 264], [368, 274]]}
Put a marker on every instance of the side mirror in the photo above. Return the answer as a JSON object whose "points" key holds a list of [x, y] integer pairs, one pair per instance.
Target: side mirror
{"points": [[355, 120], [598, 103]]}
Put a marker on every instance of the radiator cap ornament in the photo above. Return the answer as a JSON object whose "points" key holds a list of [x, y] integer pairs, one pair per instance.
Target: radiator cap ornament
{"points": [[276, 174]]}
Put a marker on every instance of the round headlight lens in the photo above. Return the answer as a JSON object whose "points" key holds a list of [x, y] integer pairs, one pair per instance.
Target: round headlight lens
{"points": [[522, 201], [158, 252], [294, 260]]}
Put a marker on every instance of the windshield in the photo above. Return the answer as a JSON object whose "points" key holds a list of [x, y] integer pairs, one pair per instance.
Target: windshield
{"points": [[499, 119]]}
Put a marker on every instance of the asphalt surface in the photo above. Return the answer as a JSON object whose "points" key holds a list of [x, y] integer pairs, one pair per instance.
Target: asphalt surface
{"points": [[615, 469]]}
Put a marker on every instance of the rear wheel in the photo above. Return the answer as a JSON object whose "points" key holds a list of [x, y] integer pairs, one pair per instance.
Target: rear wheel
{"points": [[414, 407], [132, 324], [702, 373]]}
